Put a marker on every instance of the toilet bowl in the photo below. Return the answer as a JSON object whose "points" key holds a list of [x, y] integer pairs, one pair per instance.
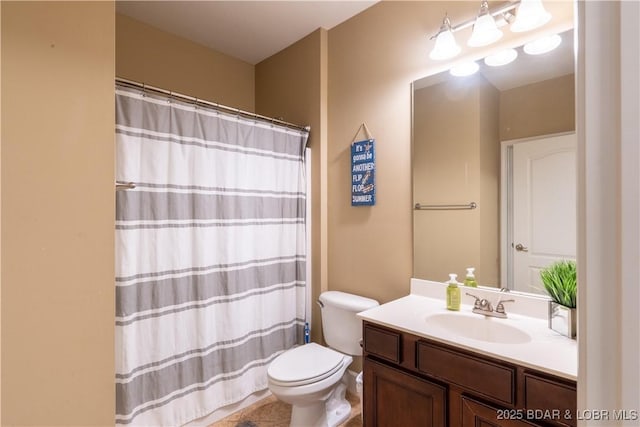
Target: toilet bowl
{"points": [[311, 377], [306, 377]]}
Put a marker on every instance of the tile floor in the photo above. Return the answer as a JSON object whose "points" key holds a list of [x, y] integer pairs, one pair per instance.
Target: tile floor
{"points": [[269, 412]]}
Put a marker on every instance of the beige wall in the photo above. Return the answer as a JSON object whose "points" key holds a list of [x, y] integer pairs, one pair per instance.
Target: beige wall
{"points": [[489, 184], [57, 213], [455, 161], [370, 66], [293, 85], [148, 55], [538, 109], [373, 58]]}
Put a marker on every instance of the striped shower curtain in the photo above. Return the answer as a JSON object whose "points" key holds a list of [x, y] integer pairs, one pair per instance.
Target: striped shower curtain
{"points": [[210, 256]]}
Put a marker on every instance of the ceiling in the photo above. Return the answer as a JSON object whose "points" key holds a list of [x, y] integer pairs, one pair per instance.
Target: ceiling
{"points": [[247, 30]]}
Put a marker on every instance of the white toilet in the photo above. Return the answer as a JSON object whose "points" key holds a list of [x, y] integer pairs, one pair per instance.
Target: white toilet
{"points": [[309, 377]]}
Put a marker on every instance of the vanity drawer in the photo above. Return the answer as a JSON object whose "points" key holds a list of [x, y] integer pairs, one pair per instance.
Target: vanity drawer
{"points": [[492, 380], [382, 343], [549, 395]]}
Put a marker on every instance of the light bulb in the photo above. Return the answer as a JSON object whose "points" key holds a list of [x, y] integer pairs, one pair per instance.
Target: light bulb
{"points": [[446, 46], [503, 57], [464, 69], [531, 14], [543, 45], [485, 31]]}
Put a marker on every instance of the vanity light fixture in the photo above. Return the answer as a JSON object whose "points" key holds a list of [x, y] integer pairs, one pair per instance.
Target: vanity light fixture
{"points": [[446, 46], [522, 15], [464, 69], [485, 31], [503, 57], [543, 45], [531, 14]]}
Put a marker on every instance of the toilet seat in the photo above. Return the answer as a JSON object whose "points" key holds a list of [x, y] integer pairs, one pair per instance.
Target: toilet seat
{"points": [[305, 364]]}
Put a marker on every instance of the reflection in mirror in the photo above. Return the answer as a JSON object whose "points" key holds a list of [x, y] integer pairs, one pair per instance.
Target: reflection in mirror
{"points": [[538, 214], [461, 128]]}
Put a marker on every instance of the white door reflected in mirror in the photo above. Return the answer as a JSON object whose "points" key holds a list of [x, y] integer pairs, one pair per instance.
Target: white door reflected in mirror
{"points": [[541, 207]]}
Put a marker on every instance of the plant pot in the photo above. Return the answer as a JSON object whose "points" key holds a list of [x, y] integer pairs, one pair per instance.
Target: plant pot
{"points": [[562, 319]]}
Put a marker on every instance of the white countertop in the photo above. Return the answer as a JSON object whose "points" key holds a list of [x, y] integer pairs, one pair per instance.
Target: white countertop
{"points": [[547, 351]]}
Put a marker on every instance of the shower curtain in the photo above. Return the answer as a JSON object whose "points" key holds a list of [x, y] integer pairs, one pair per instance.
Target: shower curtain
{"points": [[210, 256]]}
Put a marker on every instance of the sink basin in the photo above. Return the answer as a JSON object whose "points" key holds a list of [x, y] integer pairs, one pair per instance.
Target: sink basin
{"points": [[480, 328]]}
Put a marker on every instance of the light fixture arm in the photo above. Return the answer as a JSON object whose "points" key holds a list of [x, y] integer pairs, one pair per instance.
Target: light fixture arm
{"points": [[446, 24], [501, 10]]}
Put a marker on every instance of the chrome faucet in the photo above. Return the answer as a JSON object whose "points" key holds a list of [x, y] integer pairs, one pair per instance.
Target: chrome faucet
{"points": [[483, 306]]}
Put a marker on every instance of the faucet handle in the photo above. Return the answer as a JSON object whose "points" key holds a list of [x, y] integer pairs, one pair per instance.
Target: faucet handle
{"points": [[481, 303], [477, 302], [500, 307]]}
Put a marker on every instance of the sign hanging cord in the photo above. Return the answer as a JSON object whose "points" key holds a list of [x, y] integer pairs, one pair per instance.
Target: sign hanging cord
{"points": [[367, 134]]}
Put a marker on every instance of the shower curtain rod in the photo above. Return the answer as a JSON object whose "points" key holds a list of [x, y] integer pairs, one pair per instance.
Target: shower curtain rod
{"points": [[197, 101]]}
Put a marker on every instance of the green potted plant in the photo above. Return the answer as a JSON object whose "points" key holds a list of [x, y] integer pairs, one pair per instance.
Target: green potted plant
{"points": [[560, 282]]}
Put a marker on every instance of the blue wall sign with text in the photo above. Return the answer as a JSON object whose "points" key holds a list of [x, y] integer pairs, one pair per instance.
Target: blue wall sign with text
{"points": [[363, 173]]}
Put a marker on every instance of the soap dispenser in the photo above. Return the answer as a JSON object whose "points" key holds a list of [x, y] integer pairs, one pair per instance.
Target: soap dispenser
{"points": [[470, 279], [453, 293]]}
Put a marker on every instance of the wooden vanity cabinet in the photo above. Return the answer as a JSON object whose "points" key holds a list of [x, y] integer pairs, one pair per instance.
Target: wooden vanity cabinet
{"points": [[475, 413], [414, 381], [397, 398]]}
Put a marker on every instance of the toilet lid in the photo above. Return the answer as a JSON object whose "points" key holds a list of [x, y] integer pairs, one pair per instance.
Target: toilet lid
{"points": [[304, 364]]}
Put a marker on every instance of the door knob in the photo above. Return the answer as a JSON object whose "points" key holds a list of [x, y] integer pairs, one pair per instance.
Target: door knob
{"points": [[521, 248]]}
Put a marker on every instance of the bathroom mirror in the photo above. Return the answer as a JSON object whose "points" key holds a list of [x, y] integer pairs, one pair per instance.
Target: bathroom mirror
{"points": [[464, 132]]}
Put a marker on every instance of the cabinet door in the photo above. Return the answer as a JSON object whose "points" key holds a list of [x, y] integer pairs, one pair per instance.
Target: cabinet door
{"points": [[393, 398], [476, 414], [553, 401]]}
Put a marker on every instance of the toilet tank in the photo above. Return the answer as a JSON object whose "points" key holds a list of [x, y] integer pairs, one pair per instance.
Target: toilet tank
{"points": [[341, 328]]}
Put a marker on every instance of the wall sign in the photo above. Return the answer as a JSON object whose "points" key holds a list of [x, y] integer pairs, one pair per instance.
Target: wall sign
{"points": [[363, 173]]}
